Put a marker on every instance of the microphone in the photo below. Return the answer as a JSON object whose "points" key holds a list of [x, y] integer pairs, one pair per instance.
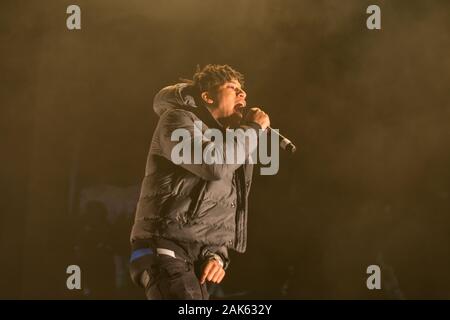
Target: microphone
{"points": [[285, 143]]}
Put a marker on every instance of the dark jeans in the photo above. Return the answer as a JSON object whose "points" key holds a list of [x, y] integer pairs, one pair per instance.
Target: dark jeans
{"points": [[176, 278]]}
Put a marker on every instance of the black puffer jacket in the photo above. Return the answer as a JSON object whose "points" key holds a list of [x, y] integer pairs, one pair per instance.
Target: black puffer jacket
{"points": [[203, 203]]}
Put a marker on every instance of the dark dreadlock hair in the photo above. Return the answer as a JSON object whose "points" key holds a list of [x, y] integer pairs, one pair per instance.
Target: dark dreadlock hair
{"points": [[213, 76]]}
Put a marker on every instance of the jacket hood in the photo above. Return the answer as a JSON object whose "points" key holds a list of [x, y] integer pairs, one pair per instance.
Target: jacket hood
{"points": [[173, 97]]}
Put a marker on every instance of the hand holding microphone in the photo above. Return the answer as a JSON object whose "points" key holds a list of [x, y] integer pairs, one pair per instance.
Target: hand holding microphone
{"points": [[258, 116]]}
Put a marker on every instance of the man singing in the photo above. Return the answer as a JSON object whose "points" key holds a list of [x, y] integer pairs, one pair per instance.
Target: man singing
{"points": [[189, 214]]}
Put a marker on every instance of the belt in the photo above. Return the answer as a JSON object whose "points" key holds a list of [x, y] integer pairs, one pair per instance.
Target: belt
{"points": [[147, 251], [139, 253]]}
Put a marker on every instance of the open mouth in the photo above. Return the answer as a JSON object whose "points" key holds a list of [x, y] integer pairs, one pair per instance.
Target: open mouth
{"points": [[239, 107]]}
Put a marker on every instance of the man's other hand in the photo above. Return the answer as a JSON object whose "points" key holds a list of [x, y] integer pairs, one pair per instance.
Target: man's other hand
{"points": [[212, 271]]}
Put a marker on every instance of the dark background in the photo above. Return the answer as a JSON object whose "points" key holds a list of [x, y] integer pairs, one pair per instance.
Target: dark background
{"points": [[368, 110]]}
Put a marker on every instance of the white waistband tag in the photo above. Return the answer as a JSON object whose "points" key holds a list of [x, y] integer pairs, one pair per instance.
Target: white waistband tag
{"points": [[167, 252]]}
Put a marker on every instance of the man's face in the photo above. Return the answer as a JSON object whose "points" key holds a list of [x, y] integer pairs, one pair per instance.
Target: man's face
{"points": [[229, 100]]}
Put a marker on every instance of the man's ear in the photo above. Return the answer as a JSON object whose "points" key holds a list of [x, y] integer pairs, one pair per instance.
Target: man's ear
{"points": [[206, 97]]}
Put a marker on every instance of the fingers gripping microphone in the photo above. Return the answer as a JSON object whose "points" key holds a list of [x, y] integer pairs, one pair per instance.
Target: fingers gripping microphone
{"points": [[285, 143]]}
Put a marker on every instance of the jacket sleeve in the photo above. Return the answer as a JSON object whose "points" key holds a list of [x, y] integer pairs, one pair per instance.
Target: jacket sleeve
{"points": [[222, 252], [179, 132]]}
